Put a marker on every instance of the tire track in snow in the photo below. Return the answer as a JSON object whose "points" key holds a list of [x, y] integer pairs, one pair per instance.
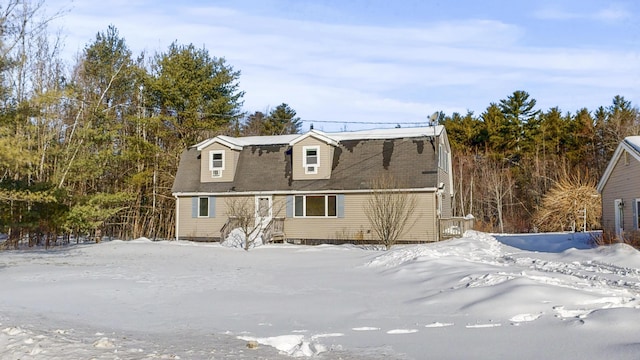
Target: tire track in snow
{"points": [[594, 275]]}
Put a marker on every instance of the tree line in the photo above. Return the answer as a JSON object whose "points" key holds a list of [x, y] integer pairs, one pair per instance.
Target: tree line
{"points": [[519, 169], [92, 148]]}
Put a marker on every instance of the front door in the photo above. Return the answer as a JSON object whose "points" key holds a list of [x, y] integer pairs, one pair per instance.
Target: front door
{"points": [[264, 207]]}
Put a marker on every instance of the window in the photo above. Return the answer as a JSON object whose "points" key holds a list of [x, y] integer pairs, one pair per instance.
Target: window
{"points": [[264, 207], [315, 206], [311, 159], [216, 163], [443, 158], [203, 207]]}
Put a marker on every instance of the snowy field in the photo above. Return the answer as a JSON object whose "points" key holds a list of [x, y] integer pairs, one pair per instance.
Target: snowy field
{"points": [[540, 297]]}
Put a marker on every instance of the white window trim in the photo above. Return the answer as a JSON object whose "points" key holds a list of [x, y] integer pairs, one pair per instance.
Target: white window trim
{"points": [[304, 159], [326, 206], [200, 206], [443, 158], [219, 168]]}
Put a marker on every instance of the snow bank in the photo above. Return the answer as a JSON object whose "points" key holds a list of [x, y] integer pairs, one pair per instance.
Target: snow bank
{"points": [[474, 246], [143, 300], [237, 239], [291, 345]]}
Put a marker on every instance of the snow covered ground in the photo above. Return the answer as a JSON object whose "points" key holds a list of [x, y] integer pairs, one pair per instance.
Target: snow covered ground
{"points": [[541, 297]]}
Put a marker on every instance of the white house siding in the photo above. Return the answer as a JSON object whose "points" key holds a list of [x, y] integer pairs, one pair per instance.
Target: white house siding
{"points": [[623, 183]]}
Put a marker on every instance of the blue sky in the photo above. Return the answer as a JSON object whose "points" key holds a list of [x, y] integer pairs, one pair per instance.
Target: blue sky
{"points": [[389, 61]]}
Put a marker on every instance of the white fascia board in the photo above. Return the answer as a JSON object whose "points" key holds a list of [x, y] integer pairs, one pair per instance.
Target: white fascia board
{"points": [[624, 146], [317, 135], [204, 143], [297, 192], [631, 147], [610, 167], [218, 140]]}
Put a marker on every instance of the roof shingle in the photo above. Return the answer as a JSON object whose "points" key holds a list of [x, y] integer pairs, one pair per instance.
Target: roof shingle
{"points": [[410, 158]]}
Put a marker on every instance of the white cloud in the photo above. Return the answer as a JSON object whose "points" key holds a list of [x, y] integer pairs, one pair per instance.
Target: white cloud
{"points": [[334, 72], [612, 13]]}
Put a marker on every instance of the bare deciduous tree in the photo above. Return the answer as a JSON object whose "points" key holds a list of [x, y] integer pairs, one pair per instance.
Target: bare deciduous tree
{"points": [[243, 215], [572, 202], [389, 210], [497, 186]]}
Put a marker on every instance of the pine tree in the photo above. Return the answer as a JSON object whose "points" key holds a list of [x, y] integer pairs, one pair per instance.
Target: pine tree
{"points": [[254, 124], [196, 95], [282, 120], [518, 112]]}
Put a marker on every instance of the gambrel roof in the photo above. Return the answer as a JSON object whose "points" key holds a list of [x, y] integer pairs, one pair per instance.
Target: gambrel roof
{"points": [[265, 164], [630, 145]]}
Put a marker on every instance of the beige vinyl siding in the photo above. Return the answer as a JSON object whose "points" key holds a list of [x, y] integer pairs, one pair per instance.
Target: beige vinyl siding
{"points": [[230, 162], [325, 159], [190, 227], [623, 184], [355, 225]]}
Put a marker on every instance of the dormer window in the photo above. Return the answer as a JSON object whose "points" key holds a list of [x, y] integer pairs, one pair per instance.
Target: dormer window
{"points": [[311, 159], [216, 163]]}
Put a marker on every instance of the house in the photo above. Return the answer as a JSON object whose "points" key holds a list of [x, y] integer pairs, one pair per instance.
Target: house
{"points": [[620, 190], [314, 186]]}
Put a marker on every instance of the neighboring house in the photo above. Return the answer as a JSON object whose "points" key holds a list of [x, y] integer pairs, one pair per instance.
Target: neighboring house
{"points": [[314, 184], [620, 190]]}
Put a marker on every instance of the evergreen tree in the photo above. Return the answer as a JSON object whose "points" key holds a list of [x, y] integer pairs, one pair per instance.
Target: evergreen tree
{"points": [[518, 112], [254, 124], [282, 120], [499, 135], [104, 85], [196, 95], [518, 108], [466, 132], [582, 144]]}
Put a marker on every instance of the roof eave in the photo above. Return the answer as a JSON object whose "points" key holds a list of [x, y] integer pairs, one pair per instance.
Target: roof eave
{"points": [[623, 146], [218, 140], [316, 135], [295, 192]]}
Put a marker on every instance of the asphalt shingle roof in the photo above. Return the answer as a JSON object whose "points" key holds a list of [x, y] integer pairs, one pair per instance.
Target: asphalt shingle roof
{"points": [[410, 157]]}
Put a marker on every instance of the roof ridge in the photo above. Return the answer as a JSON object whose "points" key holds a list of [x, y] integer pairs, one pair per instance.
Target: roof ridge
{"points": [[329, 137]]}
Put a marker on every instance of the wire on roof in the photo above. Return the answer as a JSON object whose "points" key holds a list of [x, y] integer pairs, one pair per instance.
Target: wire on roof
{"points": [[402, 123]]}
